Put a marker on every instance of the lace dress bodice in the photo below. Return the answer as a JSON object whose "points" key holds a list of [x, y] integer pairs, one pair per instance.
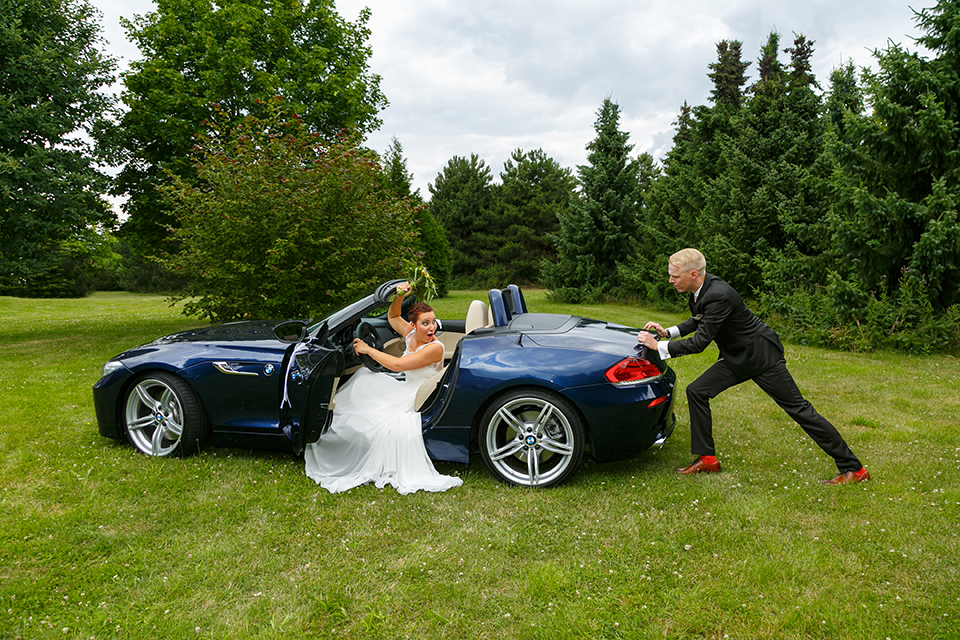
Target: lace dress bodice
{"points": [[421, 375]]}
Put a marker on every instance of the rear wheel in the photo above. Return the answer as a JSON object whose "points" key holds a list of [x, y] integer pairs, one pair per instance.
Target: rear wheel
{"points": [[163, 416], [532, 437]]}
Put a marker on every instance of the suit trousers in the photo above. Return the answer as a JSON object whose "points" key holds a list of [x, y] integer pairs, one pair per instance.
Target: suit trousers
{"points": [[777, 383]]}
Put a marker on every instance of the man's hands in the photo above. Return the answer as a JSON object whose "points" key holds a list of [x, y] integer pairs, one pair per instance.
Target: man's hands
{"points": [[646, 338], [660, 330]]}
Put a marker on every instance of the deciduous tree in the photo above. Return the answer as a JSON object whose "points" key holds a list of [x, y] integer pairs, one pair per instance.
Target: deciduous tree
{"points": [[52, 112], [233, 56], [285, 224]]}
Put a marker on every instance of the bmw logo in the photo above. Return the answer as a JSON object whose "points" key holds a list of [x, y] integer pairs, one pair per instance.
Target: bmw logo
{"points": [[268, 369], [530, 440]]}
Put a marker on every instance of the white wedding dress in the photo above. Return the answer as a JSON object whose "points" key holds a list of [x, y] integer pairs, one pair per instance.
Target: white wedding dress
{"points": [[376, 436]]}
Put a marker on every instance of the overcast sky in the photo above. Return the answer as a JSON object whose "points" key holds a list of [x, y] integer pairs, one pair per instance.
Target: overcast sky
{"points": [[492, 76]]}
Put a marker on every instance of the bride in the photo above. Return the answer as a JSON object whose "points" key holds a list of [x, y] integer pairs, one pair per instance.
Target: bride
{"points": [[376, 435]]}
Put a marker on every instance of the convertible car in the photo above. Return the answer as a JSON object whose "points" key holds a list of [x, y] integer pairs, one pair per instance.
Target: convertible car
{"points": [[532, 393]]}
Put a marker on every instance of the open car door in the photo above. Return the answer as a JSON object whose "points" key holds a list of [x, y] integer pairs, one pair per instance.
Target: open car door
{"points": [[311, 374]]}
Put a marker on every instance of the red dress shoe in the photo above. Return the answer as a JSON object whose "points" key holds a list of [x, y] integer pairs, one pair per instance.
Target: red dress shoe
{"points": [[849, 476], [699, 466]]}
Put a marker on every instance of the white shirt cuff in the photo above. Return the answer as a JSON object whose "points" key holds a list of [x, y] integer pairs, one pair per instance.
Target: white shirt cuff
{"points": [[674, 332], [662, 349]]}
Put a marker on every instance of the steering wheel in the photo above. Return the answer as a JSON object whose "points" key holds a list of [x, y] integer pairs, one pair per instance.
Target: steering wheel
{"points": [[368, 334]]}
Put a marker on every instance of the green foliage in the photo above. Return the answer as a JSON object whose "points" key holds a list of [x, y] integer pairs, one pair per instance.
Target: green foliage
{"points": [[728, 74], [844, 316], [898, 179], [398, 178], [51, 75], [285, 224], [230, 57], [462, 201], [535, 192], [433, 243], [598, 232]]}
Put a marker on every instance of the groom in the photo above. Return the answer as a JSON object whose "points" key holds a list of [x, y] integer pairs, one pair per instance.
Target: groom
{"points": [[749, 350]]}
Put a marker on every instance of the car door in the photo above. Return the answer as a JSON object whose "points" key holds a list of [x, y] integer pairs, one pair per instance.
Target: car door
{"points": [[311, 374]]}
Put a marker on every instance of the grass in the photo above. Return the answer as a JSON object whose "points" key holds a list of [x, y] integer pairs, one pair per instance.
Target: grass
{"points": [[100, 542]]}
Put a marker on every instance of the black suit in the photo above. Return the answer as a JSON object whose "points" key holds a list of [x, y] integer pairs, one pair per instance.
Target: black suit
{"points": [[749, 350]]}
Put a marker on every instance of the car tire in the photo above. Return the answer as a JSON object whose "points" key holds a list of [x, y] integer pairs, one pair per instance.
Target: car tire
{"points": [[532, 437], [162, 416]]}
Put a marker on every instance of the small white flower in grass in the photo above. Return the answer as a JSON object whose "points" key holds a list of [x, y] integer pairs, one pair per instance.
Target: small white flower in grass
{"points": [[688, 547]]}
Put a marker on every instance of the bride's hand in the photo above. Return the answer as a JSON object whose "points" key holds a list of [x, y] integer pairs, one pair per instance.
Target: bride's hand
{"points": [[360, 347], [404, 288]]}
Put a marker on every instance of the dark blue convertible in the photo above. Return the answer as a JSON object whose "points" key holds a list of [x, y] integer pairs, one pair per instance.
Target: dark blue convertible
{"points": [[531, 392]]}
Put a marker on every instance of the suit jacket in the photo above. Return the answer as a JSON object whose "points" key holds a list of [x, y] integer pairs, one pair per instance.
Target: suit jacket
{"points": [[748, 346]]}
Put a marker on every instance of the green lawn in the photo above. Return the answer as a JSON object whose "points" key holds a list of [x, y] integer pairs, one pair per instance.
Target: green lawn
{"points": [[101, 542]]}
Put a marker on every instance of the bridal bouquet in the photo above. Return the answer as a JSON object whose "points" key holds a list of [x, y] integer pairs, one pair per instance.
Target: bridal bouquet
{"points": [[419, 278]]}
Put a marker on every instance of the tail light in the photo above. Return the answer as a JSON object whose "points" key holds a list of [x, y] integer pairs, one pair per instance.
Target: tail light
{"points": [[631, 371]]}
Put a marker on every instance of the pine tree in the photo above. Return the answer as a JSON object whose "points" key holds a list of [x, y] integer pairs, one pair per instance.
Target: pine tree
{"points": [[535, 192], [599, 231], [898, 188], [462, 201]]}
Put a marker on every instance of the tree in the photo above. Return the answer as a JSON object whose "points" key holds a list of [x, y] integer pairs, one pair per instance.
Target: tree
{"points": [[898, 185], [462, 202], [285, 224], [764, 200], [433, 241], [599, 231], [728, 74], [395, 169], [233, 56], [51, 75], [535, 192]]}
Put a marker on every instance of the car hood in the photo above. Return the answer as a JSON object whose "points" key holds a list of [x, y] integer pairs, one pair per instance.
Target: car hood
{"points": [[230, 332]]}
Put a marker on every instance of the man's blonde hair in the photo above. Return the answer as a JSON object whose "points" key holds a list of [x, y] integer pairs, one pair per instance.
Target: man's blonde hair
{"points": [[689, 260]]}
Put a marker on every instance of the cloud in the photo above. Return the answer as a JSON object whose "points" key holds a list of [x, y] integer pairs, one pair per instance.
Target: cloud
{"points": [[490, 77]]}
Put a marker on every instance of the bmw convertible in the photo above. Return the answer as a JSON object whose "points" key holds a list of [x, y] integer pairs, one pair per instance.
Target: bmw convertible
{"points": [[531, 393]]}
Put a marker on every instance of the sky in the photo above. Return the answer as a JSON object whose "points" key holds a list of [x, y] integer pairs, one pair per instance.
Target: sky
{"points": [[494, 76]]}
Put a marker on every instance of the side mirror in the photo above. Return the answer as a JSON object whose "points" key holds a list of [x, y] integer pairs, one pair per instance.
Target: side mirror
{"points": [[291, 331]]}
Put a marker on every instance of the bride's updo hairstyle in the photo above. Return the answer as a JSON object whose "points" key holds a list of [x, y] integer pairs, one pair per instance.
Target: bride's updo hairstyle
{"points": [[416, 310]]}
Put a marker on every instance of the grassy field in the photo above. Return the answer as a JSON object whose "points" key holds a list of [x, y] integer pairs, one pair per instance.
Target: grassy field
{"points": [[101, 542]]}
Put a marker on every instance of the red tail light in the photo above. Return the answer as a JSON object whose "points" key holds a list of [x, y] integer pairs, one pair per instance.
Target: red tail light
{"points": [[631, 370]]}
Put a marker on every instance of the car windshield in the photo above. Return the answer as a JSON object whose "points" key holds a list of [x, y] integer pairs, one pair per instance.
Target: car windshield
{"points": [[372, 304]]}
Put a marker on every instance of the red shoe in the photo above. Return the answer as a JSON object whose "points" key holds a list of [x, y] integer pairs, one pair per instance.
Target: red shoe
{"points": [[699, 466], [848, 477]]}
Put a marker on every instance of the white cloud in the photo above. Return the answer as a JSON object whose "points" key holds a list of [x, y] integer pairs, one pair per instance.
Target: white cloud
{"points": [[490, 77]]}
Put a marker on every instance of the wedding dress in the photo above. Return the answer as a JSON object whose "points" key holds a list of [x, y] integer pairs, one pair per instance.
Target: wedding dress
{"points": [[376, 436]]}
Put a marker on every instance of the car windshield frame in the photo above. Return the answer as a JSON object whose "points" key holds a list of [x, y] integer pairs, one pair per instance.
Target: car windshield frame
{"points": [[354, 311]]}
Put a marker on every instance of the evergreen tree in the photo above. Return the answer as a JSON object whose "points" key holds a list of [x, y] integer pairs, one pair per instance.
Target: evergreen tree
{"points": [[399, 179], [52, 73], [462, 201], [534, 193], [898, 188], [432, 241], [844, 97], [599, 231], [728, 74]]}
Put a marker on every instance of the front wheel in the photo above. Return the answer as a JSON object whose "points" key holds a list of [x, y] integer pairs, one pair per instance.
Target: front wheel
{"points": [[532, 437], [163, 416]]}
